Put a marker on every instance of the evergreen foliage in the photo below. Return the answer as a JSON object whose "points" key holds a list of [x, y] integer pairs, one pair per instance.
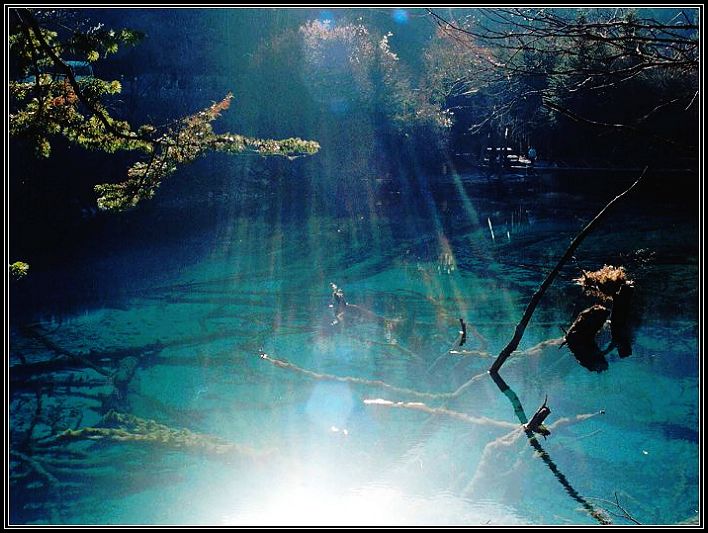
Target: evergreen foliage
{"points": [[49, 99]]}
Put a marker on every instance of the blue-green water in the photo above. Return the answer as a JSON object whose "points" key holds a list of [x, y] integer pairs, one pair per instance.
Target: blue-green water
{"points": [[194, 299]]}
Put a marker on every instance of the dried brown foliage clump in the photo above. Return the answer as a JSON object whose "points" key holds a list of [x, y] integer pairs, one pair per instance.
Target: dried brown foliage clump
{"points": [[604, 283]]}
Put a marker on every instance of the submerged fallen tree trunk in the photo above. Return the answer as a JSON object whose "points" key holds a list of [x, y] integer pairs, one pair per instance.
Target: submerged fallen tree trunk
{"points": [[536, 298], [34, 334], [122, 427]]}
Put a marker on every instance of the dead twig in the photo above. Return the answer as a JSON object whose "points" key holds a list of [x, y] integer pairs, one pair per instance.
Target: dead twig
{"points": [[623, 512]]}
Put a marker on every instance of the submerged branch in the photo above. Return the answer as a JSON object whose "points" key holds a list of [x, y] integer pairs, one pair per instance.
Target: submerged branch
{"points": [[120, 427], [595, 513], [440, 411], [287, 365], [624, 513], [36, 466], [33, 333], [506, 440], [349, 379]]}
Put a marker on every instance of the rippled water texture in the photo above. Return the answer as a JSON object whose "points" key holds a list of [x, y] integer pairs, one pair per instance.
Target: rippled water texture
{"points": [[196, 428]]}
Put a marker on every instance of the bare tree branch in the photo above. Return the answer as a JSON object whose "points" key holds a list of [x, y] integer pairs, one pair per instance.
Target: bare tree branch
{"points": [[536, 298]]}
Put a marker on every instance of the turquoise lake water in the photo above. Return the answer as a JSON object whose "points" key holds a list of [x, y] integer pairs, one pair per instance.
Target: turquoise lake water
{"points": [[195, 296]]}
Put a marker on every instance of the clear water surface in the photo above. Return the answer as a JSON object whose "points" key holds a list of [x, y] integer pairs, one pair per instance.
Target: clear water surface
{"points": [[194, 294]]}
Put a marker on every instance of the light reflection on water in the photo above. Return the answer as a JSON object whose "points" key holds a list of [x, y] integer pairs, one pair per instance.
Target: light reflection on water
{"points": [[302, 505], [323, 457]]}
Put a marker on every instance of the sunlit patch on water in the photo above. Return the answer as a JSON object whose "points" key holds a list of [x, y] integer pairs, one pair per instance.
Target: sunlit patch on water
{"points": [[306, 504]]}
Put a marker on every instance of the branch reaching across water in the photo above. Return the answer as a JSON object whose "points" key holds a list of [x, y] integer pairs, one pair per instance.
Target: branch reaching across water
{"points": [[536, 298]]}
